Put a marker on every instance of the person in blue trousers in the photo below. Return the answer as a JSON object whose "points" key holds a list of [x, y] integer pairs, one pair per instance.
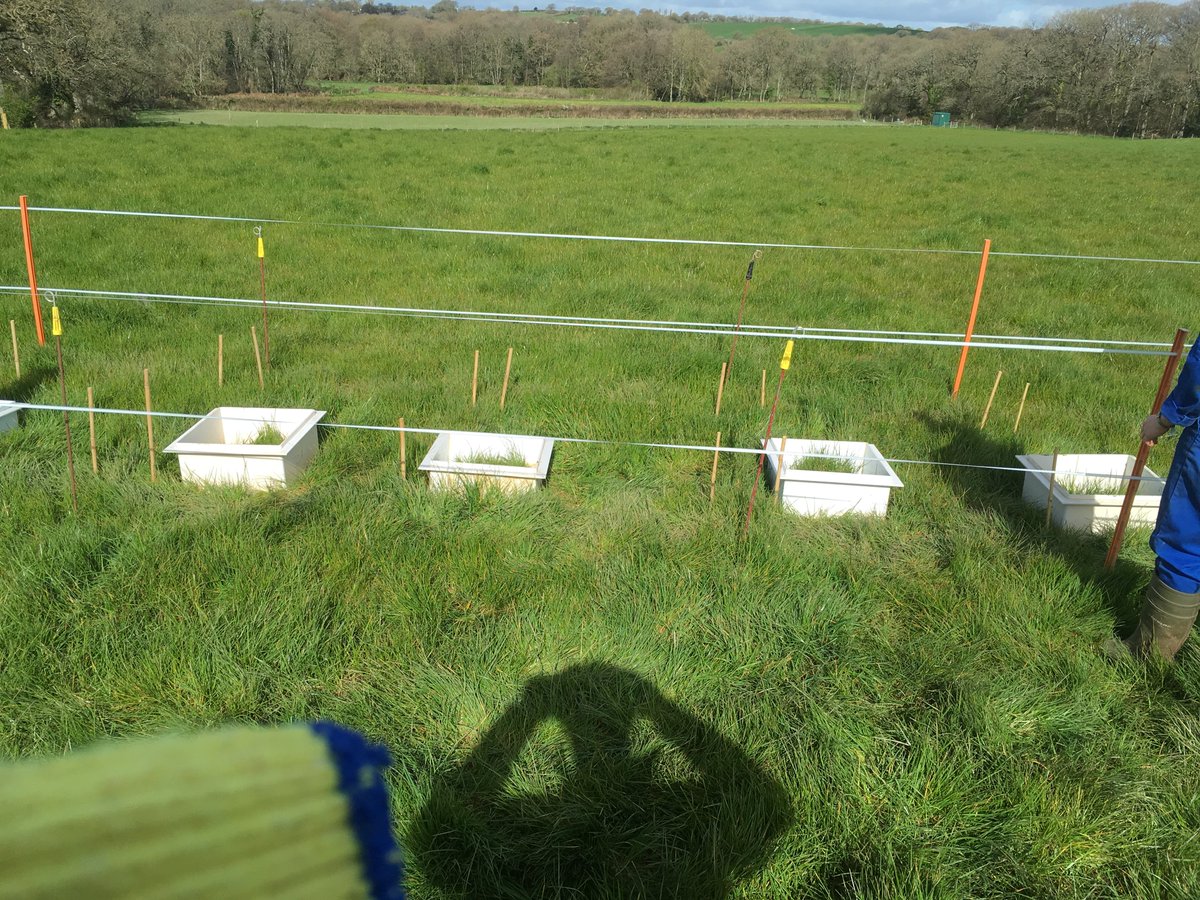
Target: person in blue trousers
{"points": [[1173, 597]]}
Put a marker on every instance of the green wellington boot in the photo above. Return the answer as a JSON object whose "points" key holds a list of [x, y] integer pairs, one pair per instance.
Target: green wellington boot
{"points": [[1166, 621]]}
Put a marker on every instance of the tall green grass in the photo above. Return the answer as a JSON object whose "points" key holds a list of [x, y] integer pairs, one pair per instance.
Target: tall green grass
{"points": [[599, 690]]}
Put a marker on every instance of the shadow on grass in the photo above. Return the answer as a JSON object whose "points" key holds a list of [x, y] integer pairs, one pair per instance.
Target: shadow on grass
{"points": [[22, 389], [627, 817], [1000, 493]]}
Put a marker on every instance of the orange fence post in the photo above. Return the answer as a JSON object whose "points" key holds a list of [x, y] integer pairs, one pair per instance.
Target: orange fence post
{"points": [[962, 359], [33, 291]]}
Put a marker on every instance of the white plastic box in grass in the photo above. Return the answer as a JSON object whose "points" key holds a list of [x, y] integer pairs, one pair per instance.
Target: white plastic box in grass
{"points": [[8, 415], [513, 463], [812, 484], [1089, 489], [258, 447]]}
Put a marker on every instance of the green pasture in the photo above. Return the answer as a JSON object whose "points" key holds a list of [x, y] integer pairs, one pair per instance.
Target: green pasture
{"points": [[734, 30], [600, 690], [392, 121]]}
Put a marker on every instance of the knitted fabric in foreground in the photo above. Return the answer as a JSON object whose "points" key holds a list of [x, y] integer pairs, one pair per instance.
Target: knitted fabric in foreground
{"points": [[242, 812]]}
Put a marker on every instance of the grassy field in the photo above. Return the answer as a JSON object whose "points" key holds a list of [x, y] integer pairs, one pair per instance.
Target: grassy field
{"points": [[734, 30], [598, 690], [390, 121]]}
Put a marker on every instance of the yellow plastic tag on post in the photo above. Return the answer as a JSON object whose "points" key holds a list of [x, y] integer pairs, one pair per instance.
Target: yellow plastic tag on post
{"points": [[786, 362], [55, 322], [261, 254]]}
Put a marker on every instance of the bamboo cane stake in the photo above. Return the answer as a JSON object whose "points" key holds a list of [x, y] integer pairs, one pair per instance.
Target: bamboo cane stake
{"points": [[1050, 493], [962, 358], [721, 387], [12, 327], [1021, 408], [257, 357], [779, 467], [403, 454], [475, 379], [220, 360], [149, 424], [762, 390], [92, 431], [1164, 387], [507, 369], [712, 480], [987, 410]]}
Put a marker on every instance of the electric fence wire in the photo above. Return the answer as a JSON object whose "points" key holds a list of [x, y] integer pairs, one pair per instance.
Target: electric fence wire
{"points": [[591, 237], [798, 332], [611, 442]]}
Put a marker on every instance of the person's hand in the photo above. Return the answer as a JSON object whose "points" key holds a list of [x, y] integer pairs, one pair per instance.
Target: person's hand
{"points": [[1153, 428]]}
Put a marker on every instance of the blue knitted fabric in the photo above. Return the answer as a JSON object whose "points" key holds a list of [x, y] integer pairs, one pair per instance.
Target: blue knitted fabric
{"points": [[360, 766]]}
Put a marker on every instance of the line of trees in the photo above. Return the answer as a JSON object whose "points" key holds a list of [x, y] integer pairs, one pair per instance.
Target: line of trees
{"points": [[1131, 70]]}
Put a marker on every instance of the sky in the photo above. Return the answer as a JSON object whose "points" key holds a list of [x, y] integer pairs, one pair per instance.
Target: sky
{"points": [[914, 13]]}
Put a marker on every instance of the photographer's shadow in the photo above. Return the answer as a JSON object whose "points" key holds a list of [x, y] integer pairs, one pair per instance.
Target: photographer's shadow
{"points": [[653, 802]]}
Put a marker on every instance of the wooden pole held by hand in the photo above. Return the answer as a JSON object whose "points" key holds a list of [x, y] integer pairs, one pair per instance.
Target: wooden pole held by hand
{"points": [[1135, 475]]}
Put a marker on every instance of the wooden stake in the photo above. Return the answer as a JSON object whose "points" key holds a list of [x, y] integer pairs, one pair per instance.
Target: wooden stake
{"points": [[1164, 387], [721, 386], [220, 360], [1053, 481], [257, 356], [3, 119], [92, 431], [403, 454], [712, 480], [762, 390], [507, 369], [779, 468], [962, 359], [475, 379], [32, 270], [12, 326], [149, 425], [987, 410], [1021, 408]]}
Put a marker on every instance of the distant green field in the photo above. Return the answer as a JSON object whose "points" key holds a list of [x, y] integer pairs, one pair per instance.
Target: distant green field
{"points": [[391, 121], [831, 29], [600, 690]]}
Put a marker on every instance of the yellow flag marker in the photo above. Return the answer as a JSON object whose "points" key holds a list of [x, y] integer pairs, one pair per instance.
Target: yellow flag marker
{"points": [[55, 322], [786, 362], [261, 254]]}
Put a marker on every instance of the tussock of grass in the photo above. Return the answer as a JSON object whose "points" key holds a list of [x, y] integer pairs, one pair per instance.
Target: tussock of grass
{"points": [[267, 435], [598, 687]]}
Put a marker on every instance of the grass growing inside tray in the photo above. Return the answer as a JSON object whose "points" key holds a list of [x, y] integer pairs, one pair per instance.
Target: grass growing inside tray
{"points": [[1098, 486], [267, 435], [511, 458], [600, 689], [821, 464]]}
